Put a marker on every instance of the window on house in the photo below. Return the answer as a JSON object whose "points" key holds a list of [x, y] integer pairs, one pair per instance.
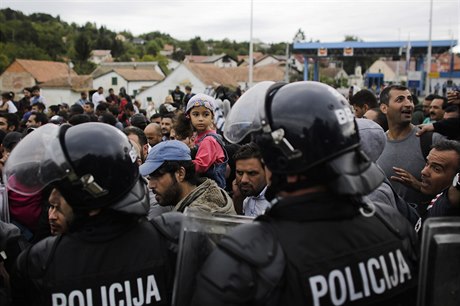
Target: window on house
{"points": [[135, 92], [114, 81], [149, 99]]}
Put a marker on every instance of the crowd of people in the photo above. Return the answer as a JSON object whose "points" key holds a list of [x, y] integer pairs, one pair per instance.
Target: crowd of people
{"points": [[339, 188]]}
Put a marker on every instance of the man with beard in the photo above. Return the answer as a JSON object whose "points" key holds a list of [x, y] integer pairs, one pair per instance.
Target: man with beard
{"points": [[171, 174], [250, 178], [60, 213], [403, 148], [166, 125]]}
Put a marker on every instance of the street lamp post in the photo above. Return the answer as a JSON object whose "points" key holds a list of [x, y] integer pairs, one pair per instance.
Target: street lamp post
{"points": [[251, 55], [286, 66], [428, 56]]}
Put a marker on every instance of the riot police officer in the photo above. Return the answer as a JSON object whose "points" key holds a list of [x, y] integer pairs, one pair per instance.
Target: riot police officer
{"points": [[110, 254], [321, 243]]}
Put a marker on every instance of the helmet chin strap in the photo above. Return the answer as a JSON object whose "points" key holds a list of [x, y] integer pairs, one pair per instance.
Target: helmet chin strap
{"points": [[279, 183]]}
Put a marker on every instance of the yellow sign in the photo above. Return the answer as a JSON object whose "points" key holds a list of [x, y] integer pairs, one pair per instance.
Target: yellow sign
{"points": [[434, 75], [348, 51], [322, 52]]}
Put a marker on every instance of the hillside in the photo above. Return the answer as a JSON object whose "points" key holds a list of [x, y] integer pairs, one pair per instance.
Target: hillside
{"points": [[44, 37]]}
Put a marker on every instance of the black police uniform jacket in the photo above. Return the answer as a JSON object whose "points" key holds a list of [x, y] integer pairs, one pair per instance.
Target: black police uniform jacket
{"points": [[313, 250], [108, 259]]}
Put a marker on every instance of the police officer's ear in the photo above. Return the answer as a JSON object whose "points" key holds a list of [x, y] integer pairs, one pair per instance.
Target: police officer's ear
{"points": [[180, 174]]}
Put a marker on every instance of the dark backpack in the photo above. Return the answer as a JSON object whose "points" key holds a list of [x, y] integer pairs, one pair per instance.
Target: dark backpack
{"points": [[217, 170]]}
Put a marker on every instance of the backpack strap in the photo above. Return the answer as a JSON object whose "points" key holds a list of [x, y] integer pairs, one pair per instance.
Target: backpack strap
{"points": [[426, 140], [219, 140]]}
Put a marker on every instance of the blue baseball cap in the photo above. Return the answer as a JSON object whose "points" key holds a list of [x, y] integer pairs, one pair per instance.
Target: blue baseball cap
{"points": [[170, 150]]}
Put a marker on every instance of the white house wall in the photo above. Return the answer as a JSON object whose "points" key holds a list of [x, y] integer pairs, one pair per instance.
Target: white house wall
{"points": [[134, 86], [220, 63], [180, 76], [105, 81], [380, 66], [54, 96]]}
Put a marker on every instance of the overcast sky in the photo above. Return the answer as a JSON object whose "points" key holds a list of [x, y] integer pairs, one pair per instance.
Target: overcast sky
{"points": [[273, 21]]}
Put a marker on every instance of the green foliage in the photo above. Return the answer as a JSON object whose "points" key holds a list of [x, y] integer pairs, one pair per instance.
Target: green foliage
{"points": [[163, 63], [4, 62], [352, 38], [153, 47], [44, 37], [84, 67], [326, 80], [160, 59], [148, 58], [22, 50], [159, 37], [178, 55], [117, 48], [197, 46], [277, 49], [82, 47]]}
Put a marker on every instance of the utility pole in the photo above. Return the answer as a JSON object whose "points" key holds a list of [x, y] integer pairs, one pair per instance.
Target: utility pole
{"points": [[251, 48], [286, 71], [399, 58], [428, 56]]}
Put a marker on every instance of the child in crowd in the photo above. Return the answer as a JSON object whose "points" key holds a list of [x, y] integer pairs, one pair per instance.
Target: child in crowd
{"points": [[211, 158]]}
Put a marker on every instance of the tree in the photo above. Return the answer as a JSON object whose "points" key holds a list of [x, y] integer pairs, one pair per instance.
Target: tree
{"points": [[84, 67], [299, 36], [82, 47], [4, 62], [178, 55], [352, 38], [197, 46], [117, 48], [50, 38], [152, 47]]}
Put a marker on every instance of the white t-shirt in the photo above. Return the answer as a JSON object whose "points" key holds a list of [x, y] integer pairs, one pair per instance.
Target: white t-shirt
{"points": [[96, 98], [11, 107]]}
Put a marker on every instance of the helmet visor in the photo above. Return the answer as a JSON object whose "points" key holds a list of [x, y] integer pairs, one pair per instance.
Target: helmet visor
{"points": [[36, 161], [246, 115]]}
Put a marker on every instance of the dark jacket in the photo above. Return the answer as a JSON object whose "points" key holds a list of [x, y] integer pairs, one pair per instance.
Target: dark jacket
{"points": [[448, 127], [313, 250], [109, 257]]}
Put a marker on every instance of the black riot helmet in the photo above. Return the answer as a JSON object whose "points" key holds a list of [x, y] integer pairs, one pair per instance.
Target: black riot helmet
{"points": [[305, 128], [92, 165]]}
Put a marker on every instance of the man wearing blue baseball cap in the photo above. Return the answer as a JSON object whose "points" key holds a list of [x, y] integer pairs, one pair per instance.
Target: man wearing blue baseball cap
{"points": [[171, 174]]}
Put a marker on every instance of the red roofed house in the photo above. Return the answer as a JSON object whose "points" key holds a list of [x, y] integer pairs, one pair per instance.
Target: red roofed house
{"points": [[27, 73]]}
